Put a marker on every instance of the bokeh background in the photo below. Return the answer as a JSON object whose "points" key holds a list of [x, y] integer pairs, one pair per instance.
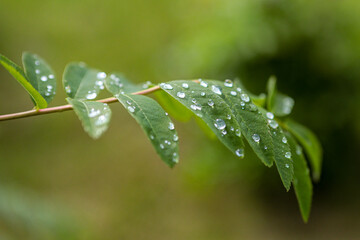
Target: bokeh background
{"points": [[57, 183]]}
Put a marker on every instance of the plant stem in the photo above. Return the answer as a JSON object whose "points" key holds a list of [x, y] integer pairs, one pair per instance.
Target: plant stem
{"points": [[68, 107]]}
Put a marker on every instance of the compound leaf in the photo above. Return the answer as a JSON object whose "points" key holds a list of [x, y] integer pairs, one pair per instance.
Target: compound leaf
{"points": [[20, 76], [94, 116], [211, 108], [156, 124], [310, 143], [81, 82], [302, 181]]}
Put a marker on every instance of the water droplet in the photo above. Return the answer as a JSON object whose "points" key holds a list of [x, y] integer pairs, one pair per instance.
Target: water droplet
{"points": [[167, 142], [47, 94], [240, 152], [101, 75], [228, 83], [152, 137], [180, 94], [185, 85], [91, 95], [175, 138], [284, 140], [37, 71], [195, 107], [233, 93], [100, 84], [265, 147], [68, 89], [245, 97], [93, 112], [288, 155], [252, 107], [287, 165], [175, 158], [128, 102], [171, 126], [44, 78], [131, 109], [49, 88], [232, 129], [204, 84], [273, 124], [238, 89], [37, 62], [228, 116], [220, 124], [256, 138], [223, 132], [202, 94], [216, 89], [298, 150], [211, 103], [101, 120], [270, 115], [193, 100], [166, 114], [242, 104], [166, 86], [162, 146], [238, 132]]}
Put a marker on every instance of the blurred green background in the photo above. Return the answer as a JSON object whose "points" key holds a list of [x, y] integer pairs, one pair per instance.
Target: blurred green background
{"points": [[57, 183]]}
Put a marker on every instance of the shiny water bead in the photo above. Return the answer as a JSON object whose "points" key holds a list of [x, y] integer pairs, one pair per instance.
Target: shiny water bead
{"points": [[228, 83], [91, 95], [245, 97], [256, 138], [211, 103], [51, 76], [223, 132], [193, 100], [216, 89], [180, 94], [152, 137], [175, 138], [167, 142], [175, 158], [228, 116], [94, 113], [273, 124], [131, 109], [44, 78], [240, 152], [166, 114], [288, 155], [298, 150], [68, 89], [101, 75], [49, 88], [220, 124], [252, 107], [270, 115], [238, 132], [171, 126], [233, 93], [203, 94], [185, 85], [101, 120], [37, 71], [242, 104], [195, 107], [238, 89], [166, 86], [204, 84], [284, 140], [232, 129], [128, 102], [287, 165], [162, 146]]}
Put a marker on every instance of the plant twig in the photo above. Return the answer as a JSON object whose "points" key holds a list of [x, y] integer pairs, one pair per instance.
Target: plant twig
{"points": [[67, 107]]}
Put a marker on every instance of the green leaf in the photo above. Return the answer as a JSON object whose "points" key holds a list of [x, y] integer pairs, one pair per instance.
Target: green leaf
{"points": [[211, 108], [20, 76], [156, 124], [94, 116], [117, 83], [205, 128], [173, 107], [40, 75], [282, 151], [280, 104], [310, 143], [81, 82], [252, 124], [259, 100], [302, 181]]}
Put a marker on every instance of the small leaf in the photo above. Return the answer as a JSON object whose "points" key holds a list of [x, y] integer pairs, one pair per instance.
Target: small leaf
{"points": [[94, 116], [173, 107], [156, 124], [282, 151], [20, 76], [310, 143], [302, 182], [117, 83], [252, 124], [280, 104], [40, 75], [211, 108], [81, 82]]}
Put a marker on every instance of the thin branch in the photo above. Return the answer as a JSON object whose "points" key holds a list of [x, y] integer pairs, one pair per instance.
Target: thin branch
{"points": [[68, 107]]}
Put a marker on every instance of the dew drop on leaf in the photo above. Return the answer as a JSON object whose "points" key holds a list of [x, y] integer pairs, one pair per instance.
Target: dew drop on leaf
{"points": [[270, 115], [256, 138], [228, 83], [220, 124], [245, 97], [216, 89], [288, 155], [284, 140], [171, 126], [180, 94], [185, 85], [240, 152]]}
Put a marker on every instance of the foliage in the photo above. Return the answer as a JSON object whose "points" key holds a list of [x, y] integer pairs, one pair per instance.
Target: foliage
{"points": [[233, 114]]}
